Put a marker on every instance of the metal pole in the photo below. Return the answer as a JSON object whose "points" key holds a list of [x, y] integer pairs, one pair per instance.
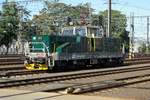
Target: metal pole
{"points": [[147, 45], [130, 42], [131, 55], [133, 35], [90, 13], [109, 18]]}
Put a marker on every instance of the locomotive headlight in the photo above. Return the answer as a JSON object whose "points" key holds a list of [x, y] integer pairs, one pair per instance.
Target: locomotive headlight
{"points": [[34, 38]]}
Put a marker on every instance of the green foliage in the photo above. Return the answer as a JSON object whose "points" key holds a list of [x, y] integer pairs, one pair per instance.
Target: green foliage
{"points": [[28, 29], [55, 15], [8, 24], [10, 17], [143, 48], [98, 20], [125, 39], [119, 22], [118, 26]]}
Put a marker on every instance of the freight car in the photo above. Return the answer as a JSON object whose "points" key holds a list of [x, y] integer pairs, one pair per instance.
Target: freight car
{"points": [[76, 45]]}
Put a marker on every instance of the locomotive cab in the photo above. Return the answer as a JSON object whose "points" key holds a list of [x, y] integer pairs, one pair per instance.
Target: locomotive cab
{"points": [[83, 31], [37, 56]]}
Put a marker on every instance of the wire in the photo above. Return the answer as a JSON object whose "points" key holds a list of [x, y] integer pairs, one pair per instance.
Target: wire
{"points": [[22, 2], [133, 6]]}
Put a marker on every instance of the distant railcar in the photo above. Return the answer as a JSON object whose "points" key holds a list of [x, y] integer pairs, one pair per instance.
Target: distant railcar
{"points": [[80, 45]]}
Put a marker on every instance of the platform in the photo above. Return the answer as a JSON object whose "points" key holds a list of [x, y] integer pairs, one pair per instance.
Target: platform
{"points": [[9, 94]]}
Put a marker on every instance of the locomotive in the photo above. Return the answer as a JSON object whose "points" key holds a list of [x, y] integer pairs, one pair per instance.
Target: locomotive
{"points": [[74, 46]]}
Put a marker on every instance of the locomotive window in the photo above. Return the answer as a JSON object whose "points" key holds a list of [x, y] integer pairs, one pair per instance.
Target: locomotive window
{"points": [[37, 47], [68, 32], [40, 38], [80, 31], [95, 31], [36, 50]]}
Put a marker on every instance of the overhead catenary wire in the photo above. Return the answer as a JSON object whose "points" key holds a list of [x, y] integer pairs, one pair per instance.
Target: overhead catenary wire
{"points": [[133, 6]]}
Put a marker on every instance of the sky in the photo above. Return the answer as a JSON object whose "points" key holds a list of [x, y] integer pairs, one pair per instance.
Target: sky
{"points": [[126, 6], [139, 7]]}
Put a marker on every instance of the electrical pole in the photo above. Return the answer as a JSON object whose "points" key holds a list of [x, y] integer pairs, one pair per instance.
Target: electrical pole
{"points": [[90, 13], [147, 45], [131, 45], [109, 18]]}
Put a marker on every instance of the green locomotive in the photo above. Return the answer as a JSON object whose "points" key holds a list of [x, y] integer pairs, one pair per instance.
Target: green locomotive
{"points": [[76, 45]]}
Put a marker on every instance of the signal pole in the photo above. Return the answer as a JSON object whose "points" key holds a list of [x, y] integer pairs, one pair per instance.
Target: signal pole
{"points": [[131, 43], [109, 18], [147, 44], [90, 13]]}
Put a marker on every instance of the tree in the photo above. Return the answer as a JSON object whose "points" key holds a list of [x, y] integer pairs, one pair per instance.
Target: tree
{"points": [[124, 37], [144, 48], [118, 26], [98, 20], [28, 29], [8, 24], [56, 14], [119, 21]]}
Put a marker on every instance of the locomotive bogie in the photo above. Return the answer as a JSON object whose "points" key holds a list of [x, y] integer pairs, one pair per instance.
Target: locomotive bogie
{"points": [[36, 66]]}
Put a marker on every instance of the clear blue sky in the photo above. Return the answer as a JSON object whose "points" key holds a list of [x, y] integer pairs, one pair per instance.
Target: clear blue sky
{"points": [[139, 7]]}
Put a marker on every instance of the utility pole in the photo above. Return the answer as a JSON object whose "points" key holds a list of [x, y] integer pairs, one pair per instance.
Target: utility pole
{"points": [[109, 18], [147, 45], [90, 13], [131, 44]]}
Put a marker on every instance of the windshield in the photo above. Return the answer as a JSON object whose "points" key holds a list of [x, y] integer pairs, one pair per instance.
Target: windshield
{"points": [[37, 47], [68, 32], [95, 31], [36, 50], [80, 31]]}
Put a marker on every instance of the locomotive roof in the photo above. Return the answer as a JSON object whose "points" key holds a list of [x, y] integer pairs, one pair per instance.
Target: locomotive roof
{"points": [[90, 26]]}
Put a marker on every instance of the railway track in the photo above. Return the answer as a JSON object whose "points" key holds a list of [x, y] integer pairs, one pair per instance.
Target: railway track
{"points": [[10, 55], [134, 60], [19, 73], [11, 67], [67, 76], [11, 59], [20, 58], [7, 63], [19, 69], [89, 87]]}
